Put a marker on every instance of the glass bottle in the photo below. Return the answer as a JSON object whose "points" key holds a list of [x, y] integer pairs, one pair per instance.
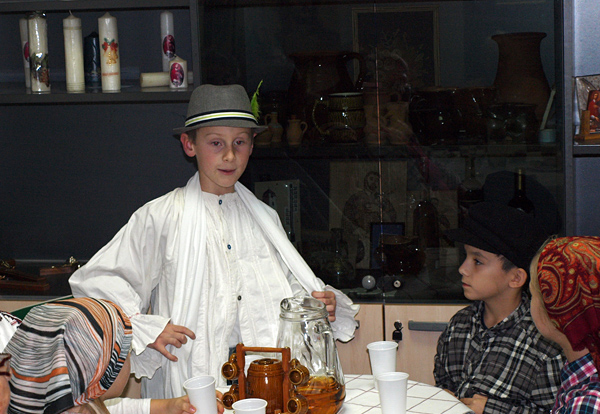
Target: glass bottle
{"points": [[520, 200], [425, 216], [469, 192], [338, 270]]}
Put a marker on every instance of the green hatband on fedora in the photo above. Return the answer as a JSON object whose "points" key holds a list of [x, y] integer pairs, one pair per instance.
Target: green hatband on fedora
{"points": [[220, 105]]}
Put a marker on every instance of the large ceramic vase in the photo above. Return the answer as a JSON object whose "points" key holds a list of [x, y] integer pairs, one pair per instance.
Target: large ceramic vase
{"points": [[520, 76]]}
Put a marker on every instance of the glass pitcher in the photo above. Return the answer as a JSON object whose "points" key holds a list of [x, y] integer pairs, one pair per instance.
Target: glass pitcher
{"points": [[305, 329]]}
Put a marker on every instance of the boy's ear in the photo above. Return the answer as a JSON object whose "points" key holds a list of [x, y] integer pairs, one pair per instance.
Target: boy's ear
{"points": [[518, 278], [188, 145]]}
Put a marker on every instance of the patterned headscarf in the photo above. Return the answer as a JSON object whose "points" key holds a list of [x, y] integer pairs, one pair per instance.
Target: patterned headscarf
{"points": [[67, 353], [569, 279]]}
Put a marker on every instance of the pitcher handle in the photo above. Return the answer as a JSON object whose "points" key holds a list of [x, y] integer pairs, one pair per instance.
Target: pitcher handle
{"points": [[362, 67], [330, 350], [314, 118]]}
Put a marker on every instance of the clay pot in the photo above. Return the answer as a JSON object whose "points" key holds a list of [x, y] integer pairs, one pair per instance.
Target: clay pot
{"points": [[520, 76]]}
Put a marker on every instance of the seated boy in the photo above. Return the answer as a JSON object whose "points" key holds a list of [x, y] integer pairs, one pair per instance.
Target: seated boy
{"points": [[491, 355]]}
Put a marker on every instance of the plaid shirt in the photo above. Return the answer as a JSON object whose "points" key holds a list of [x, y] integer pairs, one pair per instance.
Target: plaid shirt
{"points": [[511, 363], [580, 388]]}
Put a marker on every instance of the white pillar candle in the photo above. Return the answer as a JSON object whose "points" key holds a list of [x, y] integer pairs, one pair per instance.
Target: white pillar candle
{"points": [[109, 53], [167, 36], [38, 52], [74, 54], [23, 27], [178, 73], [154, 79]]}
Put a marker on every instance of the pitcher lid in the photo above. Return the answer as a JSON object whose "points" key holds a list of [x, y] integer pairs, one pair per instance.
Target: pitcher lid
{"points": [[302, 308]]}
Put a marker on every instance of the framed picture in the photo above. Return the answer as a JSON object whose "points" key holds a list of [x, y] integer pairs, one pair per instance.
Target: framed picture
{"points": [[377, 229], [593, 105], [361, 193], [400, 45]]}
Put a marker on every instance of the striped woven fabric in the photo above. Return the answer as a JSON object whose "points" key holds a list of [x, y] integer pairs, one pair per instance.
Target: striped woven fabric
{"points": [[66, 354]]}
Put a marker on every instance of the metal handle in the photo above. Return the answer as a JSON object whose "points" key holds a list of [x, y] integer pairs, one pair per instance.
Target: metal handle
{"points": [[427, 326]]}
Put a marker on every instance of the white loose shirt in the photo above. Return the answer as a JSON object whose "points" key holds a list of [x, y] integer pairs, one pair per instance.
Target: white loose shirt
{"points": [[202, 261]]}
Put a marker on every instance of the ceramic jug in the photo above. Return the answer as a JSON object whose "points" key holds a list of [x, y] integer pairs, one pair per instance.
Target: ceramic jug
{"points": [[295, 131], [275, 127], [305, 329], [318, 74]]}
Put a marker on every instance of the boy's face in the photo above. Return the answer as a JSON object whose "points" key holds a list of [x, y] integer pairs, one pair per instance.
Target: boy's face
{"points": [[483, 277], [222, 155]]}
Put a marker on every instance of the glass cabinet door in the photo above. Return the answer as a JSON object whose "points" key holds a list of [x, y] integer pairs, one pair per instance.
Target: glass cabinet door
{"points": [[387, 121]]}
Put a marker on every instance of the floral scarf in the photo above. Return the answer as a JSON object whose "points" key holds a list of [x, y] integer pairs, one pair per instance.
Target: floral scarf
{"points": [[569, 278]]}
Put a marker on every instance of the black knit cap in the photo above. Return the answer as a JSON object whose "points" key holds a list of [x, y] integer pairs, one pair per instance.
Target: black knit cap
{"points": [[503, 230]]}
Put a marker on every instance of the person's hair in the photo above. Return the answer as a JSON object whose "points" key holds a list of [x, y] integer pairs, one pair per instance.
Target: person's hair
{"points": [[192, 135], [507, 266]]}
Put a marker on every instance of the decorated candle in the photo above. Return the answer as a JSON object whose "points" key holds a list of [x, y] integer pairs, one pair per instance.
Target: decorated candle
{"points": [[167, 36], [37, 33], [25, 50], [154, 79], [109, 53], [73, 54], [178, 73], [91, 58]]}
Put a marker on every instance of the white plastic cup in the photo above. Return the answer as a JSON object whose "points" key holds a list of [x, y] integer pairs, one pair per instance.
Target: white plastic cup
{"points": [[383, 357], [392, 392], [202, 393], [250, 406]]}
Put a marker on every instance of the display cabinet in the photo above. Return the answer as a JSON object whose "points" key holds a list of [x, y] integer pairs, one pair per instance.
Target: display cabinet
{"points": [[412, 112], [387, 121]]}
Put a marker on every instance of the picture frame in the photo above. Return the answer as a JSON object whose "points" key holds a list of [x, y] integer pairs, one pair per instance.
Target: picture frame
{"points": [[378, 35], [363, 192], [377, 229]]}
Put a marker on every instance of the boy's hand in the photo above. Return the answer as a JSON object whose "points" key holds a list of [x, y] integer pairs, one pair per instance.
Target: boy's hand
{"points": [[175, 335], [477, 403], [328, 298]]}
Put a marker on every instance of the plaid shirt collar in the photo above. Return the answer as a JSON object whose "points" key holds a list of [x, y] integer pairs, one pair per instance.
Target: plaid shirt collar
{"points": [[508, 323]]}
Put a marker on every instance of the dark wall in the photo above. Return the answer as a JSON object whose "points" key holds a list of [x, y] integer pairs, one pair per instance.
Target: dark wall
{"points": [[71, 175]]}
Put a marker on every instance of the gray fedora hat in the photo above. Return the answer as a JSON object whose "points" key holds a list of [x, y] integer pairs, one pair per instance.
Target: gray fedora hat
{"points": [[219, 105]]}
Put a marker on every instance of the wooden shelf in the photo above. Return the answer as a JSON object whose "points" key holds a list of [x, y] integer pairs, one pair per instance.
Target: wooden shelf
{"points": [[17, 94], [590, 147], [263, 3], [7, 6], [362, 151]]}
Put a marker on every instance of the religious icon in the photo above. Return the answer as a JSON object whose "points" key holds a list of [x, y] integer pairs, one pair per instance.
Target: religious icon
{"points": [[594, 107]]}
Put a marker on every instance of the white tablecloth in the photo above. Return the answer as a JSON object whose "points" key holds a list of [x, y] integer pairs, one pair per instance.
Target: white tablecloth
{"points": [[362, 397]]}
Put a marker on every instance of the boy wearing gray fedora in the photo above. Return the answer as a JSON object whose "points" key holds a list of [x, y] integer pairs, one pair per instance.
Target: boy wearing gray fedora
{"points": [[491, 355], [209, 260]]}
